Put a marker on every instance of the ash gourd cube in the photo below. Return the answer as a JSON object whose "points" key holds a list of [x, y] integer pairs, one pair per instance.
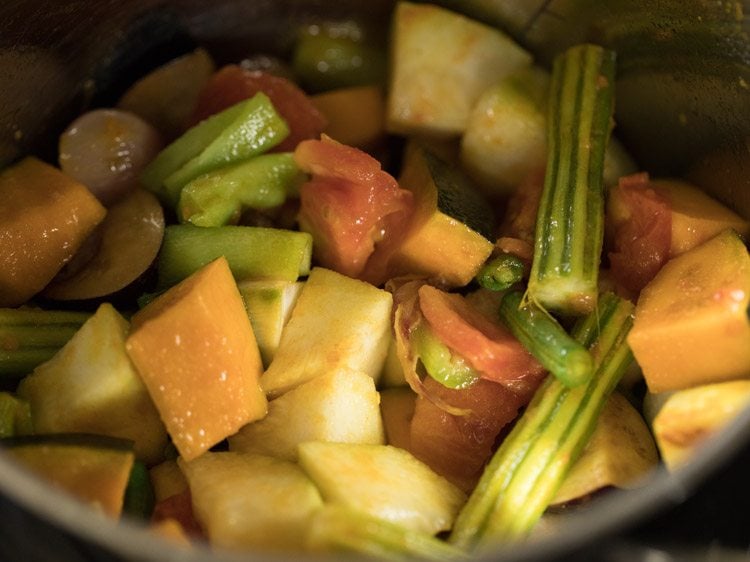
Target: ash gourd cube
{"points": [[337, 323], [196, 353]]}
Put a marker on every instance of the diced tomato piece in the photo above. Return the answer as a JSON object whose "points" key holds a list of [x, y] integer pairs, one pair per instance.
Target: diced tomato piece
{"points": [[641, 242], [232, 84], [457, 447], [180, 508], [488, 346], [520, 216], [349, 205]]}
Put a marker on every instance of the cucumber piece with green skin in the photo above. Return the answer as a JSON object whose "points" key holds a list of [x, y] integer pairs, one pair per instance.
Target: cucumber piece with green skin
{"points": [[501, 272], [546, 340], [440, 363], [218, 198], [29, 337], [570, 222], [341, 529], [252, 252], [241, 131], [524, 474]]}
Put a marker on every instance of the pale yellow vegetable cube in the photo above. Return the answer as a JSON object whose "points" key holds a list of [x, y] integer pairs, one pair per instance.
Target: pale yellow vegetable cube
{"points": [[442, 62], [383, 481], [91, 386], [341, 406], [688, 418], [248, 501], [337, 323]]}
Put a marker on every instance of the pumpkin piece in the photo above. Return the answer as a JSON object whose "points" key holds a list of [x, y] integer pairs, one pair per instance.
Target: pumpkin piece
{"points": [[91, 386], [619, 453], [337, 323], [45, 216], [688, 418], [457, 447], [93, 468], [244, 500], [448, 236], [356, 116], [397, 408], [696, 217], [172, 530], [691, 325], [195, 350], [341, 406]]}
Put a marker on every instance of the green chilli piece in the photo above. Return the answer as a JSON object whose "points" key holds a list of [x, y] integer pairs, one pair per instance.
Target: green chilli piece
{"points": [[219, 197], [15, 416], [139, 497], [525, 473], [246, 129], [570, 222], [546, 340], [440, 363], [29, 337], [501, 272]]}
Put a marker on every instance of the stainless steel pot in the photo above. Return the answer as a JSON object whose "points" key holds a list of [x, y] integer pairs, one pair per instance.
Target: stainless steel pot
{"points": [[683, 108]]}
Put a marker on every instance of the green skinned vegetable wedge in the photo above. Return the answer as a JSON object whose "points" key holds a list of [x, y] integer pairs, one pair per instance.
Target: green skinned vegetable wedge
{"points": [[570, 223], [531, 463], [29, 337]]}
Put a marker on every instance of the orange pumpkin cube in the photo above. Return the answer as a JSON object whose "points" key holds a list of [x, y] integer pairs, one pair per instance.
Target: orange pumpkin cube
{"points": [[45, 216], [195, 350]]}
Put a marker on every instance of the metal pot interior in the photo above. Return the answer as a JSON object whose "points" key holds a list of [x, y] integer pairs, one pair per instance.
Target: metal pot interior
{"points": [[58, 58]]}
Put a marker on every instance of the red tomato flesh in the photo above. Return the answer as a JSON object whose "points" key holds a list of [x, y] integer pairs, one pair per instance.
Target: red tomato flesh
{"points": [[232, 84], [180, 508], [489, 347], [349, 205], [641, 243]]}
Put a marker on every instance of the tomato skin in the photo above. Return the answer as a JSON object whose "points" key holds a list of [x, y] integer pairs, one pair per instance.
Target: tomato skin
{"points": [[641, 241], [487, 346], [349, 205], [457, 447], [232, 84]]}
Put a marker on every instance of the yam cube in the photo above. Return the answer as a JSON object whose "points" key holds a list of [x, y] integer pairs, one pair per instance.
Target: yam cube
{"points": [[383, 481], [689, 418], [91, 386], [620, 453], [691, 324], [341, 406], [397, 409], [244, 500], [196, 352], [45, 216], [337, 323], [442, 62]]}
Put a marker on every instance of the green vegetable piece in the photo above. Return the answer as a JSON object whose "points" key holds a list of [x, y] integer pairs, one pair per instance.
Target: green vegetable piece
{"points": [[569, 231], [546, 340], [341, 529], [219, 197], [29, 337], [440, 363], [501, 272], [15, 416], [327, 57], [524, 474], [139, 494], [252, 252], [241, 131]]}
